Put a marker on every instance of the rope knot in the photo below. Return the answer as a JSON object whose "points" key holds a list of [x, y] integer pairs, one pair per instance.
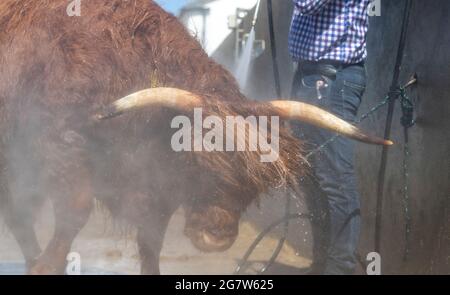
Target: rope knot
{"points": [[407, 105]]}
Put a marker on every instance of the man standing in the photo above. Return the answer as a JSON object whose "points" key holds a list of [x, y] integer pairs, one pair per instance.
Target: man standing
{"points": [[328, 40]]}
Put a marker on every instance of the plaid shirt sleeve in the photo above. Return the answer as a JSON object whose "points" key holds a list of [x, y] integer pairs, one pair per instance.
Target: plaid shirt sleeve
{"points": [[310, 6]]}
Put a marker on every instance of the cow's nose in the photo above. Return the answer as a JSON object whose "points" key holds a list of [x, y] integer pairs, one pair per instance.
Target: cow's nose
{"points": [[207, 242]]}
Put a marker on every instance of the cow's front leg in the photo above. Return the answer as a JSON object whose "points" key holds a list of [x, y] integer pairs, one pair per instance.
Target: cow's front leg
{"points": [[19, 214], [21, 226], [150, 238], [72, 207], [20, 223]]}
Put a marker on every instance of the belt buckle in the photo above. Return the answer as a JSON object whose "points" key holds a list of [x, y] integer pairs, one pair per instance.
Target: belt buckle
{"points": [[320, 84]]}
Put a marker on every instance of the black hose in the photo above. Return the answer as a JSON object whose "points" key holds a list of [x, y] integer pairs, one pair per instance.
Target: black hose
{"points": [[273, 49], [289, 217], [277, 80], [264, 233], [388, 128], [282, 239]]}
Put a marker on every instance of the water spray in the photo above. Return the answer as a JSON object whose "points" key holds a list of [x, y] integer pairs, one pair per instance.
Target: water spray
{"points": [[255, 17], [243, 67]]}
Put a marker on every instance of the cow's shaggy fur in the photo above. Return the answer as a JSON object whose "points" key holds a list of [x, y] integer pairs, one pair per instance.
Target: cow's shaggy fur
{"points": [[56, 71]]}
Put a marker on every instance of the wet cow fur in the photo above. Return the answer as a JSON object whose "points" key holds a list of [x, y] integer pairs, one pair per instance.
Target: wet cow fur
{"points": [[56, 71]]}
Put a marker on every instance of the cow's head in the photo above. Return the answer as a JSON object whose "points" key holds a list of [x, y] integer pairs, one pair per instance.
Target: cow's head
{"points": [[213, 225]]}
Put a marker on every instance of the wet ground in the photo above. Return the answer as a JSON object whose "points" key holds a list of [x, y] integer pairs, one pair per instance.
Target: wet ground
{"points": [[109, 249]]}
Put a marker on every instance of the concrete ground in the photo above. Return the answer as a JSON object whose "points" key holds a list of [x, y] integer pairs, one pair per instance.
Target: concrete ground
{"points": [[106, 248]]}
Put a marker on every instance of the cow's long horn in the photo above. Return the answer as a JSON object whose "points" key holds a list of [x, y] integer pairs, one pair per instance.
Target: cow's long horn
{"points": [[184, 100], [167, 97], [313, 115]]}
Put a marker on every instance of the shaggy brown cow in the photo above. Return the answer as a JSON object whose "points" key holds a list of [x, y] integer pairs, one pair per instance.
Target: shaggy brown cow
{"points": [[57, 71]]}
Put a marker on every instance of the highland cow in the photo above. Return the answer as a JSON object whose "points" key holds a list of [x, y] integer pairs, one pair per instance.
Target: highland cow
{"points": [[60, 79]]}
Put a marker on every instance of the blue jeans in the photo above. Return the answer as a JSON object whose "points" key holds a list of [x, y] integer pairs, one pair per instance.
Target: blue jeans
{"points": [[334, 166]]}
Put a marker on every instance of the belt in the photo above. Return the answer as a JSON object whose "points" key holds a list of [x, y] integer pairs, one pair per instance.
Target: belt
{"points": [[325, 68]]}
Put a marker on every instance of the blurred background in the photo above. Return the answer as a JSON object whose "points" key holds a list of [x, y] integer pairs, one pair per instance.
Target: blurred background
{"points": [[173, 6]]}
